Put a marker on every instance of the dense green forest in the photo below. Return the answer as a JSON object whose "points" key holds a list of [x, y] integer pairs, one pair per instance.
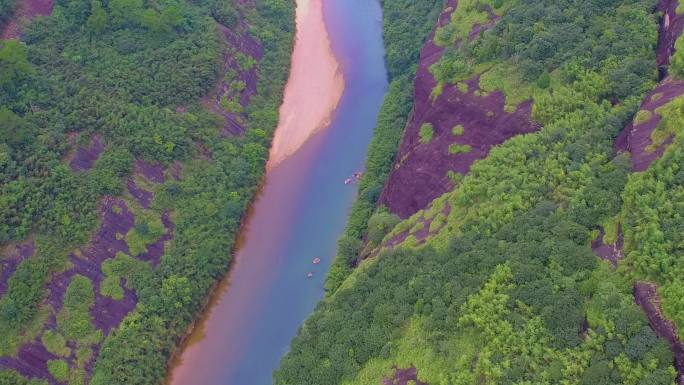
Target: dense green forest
{"points": [[134, 74], [6, 10], [506, 288]]}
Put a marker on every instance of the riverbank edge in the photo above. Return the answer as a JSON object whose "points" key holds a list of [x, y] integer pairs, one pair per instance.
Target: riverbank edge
{"points": [[214, 291], [396, 107]]}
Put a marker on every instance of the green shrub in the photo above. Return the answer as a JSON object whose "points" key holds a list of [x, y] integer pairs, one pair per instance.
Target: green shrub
{"points": [[456, 148], [642, 117], [110, 287], [55, 343], [426, 133], [59, 369]]}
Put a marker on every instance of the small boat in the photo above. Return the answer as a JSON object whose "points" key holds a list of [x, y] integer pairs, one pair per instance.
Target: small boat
{"points": [[309, 275], [316, 261], [348, 180]]}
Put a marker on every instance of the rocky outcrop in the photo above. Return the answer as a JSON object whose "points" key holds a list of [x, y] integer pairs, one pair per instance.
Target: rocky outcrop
{"points": [[606, 251], [671, 28], [636, 137], [403, 377], [10, 258], [238, 82], [26, 10], [420, 173], [646, 296], [84, 157]]}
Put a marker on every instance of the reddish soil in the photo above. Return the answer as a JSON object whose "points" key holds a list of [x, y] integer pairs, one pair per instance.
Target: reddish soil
{"points": [[85, 157], [646, 296], [637, 138], [420, 171], [9, 263], [403, 376], [26, 10], [608, 252]]}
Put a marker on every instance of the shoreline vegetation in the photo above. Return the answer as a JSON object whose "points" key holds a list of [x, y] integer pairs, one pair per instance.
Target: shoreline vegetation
{"points": [[406, 25]]}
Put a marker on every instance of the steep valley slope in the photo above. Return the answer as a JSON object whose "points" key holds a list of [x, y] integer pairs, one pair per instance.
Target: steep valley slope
{"points": [[132, 137], [528, 229]]}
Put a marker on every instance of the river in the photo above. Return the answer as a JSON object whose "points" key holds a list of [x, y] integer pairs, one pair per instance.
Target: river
{"points": [[303, 204]]}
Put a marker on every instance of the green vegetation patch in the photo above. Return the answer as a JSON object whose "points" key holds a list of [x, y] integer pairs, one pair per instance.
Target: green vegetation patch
{"points": [[426, 133], [456, 148], [231, 105], [146, 231], [59, 369], [111, 287], [10, 377], [55, 343], [610, 228], [508, 79], [642, 116], [73, 320], [467, 14], [462, 86], [670, 125], [457, 130], [379, 225]]}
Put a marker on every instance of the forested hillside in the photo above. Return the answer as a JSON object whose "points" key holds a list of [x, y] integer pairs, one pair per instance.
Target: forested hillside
{"points": [[549, 250], [132, 136]]}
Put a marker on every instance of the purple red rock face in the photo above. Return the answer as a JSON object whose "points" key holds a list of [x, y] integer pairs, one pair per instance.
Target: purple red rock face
{"points": [[85, 157], [608, 252], [249, 47], [26, 10], [154, 172], [420, 235], [31, 361], [8, 264], [670, 28], [106, 313], [646, 296], [403, 376], [143, 197], [420, 173], [636, 138]]}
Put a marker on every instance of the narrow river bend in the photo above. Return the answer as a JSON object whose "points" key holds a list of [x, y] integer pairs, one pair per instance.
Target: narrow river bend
{"points": [[302, 207]]}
